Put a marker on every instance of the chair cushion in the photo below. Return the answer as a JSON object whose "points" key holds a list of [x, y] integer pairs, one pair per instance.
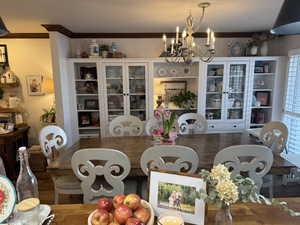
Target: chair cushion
{"points": [[67, 182]]}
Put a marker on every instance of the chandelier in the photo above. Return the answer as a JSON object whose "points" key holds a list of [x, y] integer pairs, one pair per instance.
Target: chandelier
{"points": [[184, 49]]}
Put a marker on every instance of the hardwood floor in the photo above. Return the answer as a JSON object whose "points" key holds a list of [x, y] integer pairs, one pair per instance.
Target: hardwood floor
{"points": [[46, 190]]}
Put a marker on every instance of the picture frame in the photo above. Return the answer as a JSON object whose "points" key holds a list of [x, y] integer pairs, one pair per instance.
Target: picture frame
{"points": [[84, 119], [3, 55], [263, 97], [176, 191], [91, 104], [34, 85]]}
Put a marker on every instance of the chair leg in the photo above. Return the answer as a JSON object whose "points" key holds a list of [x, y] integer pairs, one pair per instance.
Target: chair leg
{"points": [[56, 197]]}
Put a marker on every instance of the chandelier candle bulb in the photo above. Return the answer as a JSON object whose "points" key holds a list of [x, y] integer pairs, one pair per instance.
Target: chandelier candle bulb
{"points": [[177, 34], [165, 41], [172, 46], [212, 42], [208, 37]]}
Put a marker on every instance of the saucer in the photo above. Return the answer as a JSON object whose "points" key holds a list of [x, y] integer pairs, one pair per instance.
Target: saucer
{"points": [[43, 213]]}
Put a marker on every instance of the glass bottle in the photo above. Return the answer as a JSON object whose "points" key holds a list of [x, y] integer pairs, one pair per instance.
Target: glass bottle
{"points": [[223, 216], [27, 186]]}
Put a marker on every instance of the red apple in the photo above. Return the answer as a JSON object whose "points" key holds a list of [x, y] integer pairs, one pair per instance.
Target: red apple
{"points": [[142, 214], [105, 204], [2, 197], [122, 213], [100, 217], [133, 201], [118, 200], [111, 217], [133, 221]]}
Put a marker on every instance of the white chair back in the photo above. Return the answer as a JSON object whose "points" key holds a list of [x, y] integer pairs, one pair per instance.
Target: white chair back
{"points": [[274, 135], [52, 138], [255, 160], [192, 123], [126, 126], [186, 159], [111, 164], [2, 168], [151, 125]]}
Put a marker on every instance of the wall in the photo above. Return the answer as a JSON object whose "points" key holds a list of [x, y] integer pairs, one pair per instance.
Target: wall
{"points": [[282, 45], [31, 57], [148, 47]]}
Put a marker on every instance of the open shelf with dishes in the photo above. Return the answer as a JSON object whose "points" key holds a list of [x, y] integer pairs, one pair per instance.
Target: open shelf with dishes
{"points": [[175, 86]]}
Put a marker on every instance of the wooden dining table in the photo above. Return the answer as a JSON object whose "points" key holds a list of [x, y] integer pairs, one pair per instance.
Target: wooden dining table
{"points": [[205, 145], [243, 214]]}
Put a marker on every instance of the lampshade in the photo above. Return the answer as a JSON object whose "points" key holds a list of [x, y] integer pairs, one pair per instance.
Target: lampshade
{"points": [[288, 20], [48, 86], [3, 29]]}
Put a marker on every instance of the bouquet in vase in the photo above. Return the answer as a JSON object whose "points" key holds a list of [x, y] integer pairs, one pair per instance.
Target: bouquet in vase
{"points": [[167, 132]]}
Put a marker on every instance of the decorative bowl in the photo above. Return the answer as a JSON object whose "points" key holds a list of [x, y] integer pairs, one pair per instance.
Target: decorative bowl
{"points": [[144, 203]]}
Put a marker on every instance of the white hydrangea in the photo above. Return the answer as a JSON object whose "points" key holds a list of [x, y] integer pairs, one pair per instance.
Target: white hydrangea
{"points": [[227, 191], [220, 172]]}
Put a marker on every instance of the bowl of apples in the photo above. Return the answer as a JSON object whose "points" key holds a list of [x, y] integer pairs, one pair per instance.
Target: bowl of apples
{"points": [[122, 210]]}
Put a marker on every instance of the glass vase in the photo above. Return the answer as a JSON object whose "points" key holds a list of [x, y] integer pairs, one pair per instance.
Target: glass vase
{"points": [[223, 216]]}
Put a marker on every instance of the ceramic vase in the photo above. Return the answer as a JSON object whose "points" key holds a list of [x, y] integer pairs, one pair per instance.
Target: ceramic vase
{"points": [[264, 48]]}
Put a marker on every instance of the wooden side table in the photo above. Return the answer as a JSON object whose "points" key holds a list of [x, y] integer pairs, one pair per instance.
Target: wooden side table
{"points": [[9, 144]]}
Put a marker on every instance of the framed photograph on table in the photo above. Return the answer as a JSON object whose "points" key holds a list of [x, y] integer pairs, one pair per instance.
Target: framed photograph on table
{"points": [[173, 191]]}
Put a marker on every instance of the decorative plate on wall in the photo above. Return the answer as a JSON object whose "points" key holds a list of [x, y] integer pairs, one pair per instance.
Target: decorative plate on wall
{"points": [[7, 198], [162, 72], [173, 71]]}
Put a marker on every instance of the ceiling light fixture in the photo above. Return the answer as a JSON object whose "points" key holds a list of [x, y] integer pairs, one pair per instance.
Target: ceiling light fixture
{"points": [[184, 49], [288, 20], [3, 29]]}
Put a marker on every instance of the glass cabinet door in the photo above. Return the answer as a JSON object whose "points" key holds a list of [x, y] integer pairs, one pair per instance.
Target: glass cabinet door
{"points": [[115, 90], [214, 92], [137, 90], [236, 91]]}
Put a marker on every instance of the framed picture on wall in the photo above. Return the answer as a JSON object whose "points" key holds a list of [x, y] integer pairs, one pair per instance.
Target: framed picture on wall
{"points": [[3, 55], [263, 97], [34, 84], [177, 192]]}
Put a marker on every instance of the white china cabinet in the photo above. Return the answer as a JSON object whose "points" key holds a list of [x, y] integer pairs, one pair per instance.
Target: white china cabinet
{"points": [[125, 90], [233, 94]]}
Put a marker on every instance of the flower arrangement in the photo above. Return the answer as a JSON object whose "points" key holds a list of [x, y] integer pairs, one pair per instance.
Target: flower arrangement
{"points": [[168, 119], [186, 100], [223, 191]]}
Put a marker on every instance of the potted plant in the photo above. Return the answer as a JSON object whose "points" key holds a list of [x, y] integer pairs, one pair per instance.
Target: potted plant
{"points": [[185, 100], [49, 115]]}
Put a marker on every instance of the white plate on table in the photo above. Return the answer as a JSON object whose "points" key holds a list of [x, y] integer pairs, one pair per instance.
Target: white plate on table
{"points": [[44, 213]]}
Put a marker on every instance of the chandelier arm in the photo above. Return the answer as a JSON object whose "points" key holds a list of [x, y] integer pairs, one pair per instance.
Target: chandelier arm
{"points": [[197, 28]]}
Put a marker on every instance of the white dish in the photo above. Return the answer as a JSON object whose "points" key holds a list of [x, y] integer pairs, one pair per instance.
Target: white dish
{"points": [[44, 213], [9, 200], [173, 71], [162, 72], [144, 203]]}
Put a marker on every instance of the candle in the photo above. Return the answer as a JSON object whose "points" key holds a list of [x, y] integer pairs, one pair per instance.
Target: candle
{"points": [[183, 37], [172, 46], [208, 37], [165, 41], [213, 39], [177, 34]]}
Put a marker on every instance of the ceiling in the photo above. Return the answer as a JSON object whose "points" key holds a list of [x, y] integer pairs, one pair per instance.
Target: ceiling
{"points": [[138, 16]]}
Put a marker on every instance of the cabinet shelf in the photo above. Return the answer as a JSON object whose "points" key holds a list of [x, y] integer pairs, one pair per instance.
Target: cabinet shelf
{"points": [[112, 94], [83, 80], [213, 92], [214, 108], [87, 110], [89, 128], [261, 107], [115, 110], [178, 77], [262, 89], [137, 93], [114, 78], [137, 110], [87, 94], [136, 78], [214, 77], [264, 74]]}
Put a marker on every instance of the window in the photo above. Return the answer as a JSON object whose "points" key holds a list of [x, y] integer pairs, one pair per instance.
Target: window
{"points": [[292, 102]]}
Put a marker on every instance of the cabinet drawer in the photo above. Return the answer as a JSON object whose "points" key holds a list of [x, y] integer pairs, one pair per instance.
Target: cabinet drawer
{"points": [[226, 126]]}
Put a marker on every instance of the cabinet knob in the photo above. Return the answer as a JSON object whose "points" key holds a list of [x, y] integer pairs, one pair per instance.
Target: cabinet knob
{"points": [[234, 126]]}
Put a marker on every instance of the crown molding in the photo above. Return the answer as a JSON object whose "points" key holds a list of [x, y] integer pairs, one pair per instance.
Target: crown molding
{"points": [[61, 29], [26, 36]]}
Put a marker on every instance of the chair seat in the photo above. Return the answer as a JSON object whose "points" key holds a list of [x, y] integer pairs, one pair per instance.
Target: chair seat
{"points": [[67, 182]]}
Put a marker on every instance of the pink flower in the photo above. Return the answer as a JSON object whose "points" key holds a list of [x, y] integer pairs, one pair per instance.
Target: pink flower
{"points": [[161, 109], [167, 114], [157, 115], [173, 135], [159, 131]]}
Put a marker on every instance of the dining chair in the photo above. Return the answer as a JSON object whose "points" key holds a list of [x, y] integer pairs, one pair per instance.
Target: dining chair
{"points": [[170, 157], [274, 135], [126, 126], [53, 139], [151, 125], [253, 160], [90, 164], [192, 123], [2, 168]]}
